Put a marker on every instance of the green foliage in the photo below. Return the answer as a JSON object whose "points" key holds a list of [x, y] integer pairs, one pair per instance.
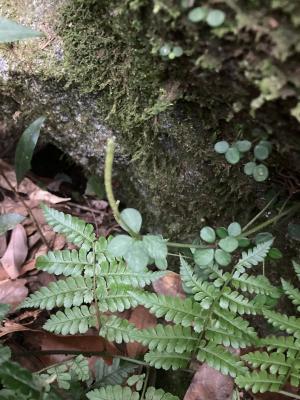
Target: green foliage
{"points": [[9, 221], [114, 374], [117, 392], [25, 148], [10, 31], [234, 153]]}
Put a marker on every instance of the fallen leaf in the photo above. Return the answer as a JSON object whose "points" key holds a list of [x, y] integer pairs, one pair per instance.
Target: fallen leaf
{"points": [[43, 195], [13, 292], [170, 285], [16, 252], [209, 384], [3, 274], [59, 242], [11, 327], [26, 186], [10, 206], [3, 244], [28, 266], [141, 318]]}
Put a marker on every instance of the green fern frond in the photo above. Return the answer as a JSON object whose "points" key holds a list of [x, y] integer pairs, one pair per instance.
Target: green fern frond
{"points": [[222, 336], [168, 338], [119, 274], [116, 329], [217, 274], [254, 284], [296, 268], [75, 230], [71, 321], [167, 360], [282, 344], [80, 368], [113, 393], [292, 293], [283, 322], [118, 298], [60, 374], [159, 394], [237, 303], [174, 309], [69, 292], [236, 325], [114, 374], [260, 382], [253, 256], [276, 363], [220, 359], [201, 289], [65, 262]]}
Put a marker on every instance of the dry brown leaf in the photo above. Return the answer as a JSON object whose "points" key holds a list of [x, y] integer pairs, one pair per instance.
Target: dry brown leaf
{"points": [[10, 206], [170, 285], [141, 318], [209, 384], [16, 252], [11, 327], [3, 274], [59, 242], [28, 266], [26, 186], [3, 244], [43, 195], [13, 292]]}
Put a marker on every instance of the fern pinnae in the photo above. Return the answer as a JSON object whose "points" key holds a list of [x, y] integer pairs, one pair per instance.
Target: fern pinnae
{"points": [[260, 381], [259, 284], [253, 256], [118, 298], [115, 392], [116, 329], [75, 229], [273, 362], [282, 344], [223, 336], [72, 320], [167, 361], [69, 292], [168, 338], [292, 293], [289, 324], [237, 303], [65, 262]]}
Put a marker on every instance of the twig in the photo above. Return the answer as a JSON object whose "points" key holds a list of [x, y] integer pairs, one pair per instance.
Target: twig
{"points": [[288, 394], [34, 220], [145, 383], [259, 214]]}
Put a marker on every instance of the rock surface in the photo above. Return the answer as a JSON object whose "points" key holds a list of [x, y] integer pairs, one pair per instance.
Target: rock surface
{"points": [[94, 74]]}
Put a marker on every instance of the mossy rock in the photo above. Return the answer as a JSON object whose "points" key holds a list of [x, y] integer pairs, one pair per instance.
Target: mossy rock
{"points": [[99, 72]]}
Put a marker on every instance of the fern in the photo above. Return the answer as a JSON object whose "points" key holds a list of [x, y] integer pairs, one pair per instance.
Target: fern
{"points": [[67, 293], [114, 374], [220, 359], [113, 393], [65, 262], [158, 394], [254, 256], [75, 230], [282, 344], [167, 360], [254, 284], [292, 293], [71, 321], [185, 312], [118, 298], [116, 329], [260, 382], [237, 303], [274, 362], [283, 322], [168, 338]]}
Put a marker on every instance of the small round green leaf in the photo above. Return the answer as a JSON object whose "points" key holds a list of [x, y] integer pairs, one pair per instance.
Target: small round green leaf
{"points": [[267, 144], [222, 257], [204, 256], [222, 232], [132, 219], [260, 173], [232, 155], [249, 167], [187, 3], [229, 244], [208, 234], [243, 145], [263, 237], [261, 152], [221, 147], [197, 14], [244, 242], [119, 245], [275, 254], [137, 258], [215, 18], [177, 51], [156, 246], [165, 50], [234, 229]]}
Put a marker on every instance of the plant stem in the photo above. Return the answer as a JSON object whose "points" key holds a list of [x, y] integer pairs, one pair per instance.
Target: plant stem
{"points": [[54, 365], [188, 245], [272, 220], [84, 352], [109, 159], [94, 290], [28, 210], [259, 214], [288, 394], [145, 383]]}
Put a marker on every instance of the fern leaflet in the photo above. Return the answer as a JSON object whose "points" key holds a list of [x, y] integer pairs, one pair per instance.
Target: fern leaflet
{"points": [[292, 293], [237, 303], [113, 393], [283, 322], [116, 329], [114, 374], [254, 284], [118, 298], [260, 382], [253, 256], [167, 360], [274, 362]]}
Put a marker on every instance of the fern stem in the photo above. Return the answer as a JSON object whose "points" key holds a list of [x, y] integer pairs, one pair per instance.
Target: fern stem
{"points": [[189, 245], [251, 222], [109, 159], [94, 290], [145, 383], [288, 394], [54, 365], [272, 220]]}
